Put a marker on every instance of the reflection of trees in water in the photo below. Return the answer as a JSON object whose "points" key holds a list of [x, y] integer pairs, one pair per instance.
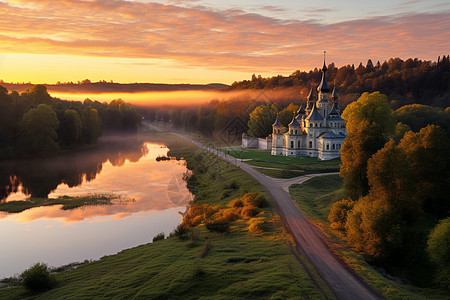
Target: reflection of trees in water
{"points": [[39, 177]]}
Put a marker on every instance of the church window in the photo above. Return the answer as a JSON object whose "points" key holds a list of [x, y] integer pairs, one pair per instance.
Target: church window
{"points": [[328, 147], [295, 131], [291, 131], [292, 144], [334, 147], [298, 144], [310, 144]]}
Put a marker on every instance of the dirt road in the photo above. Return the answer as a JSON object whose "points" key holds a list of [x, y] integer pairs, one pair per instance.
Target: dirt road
{"points": [[310, 240]]}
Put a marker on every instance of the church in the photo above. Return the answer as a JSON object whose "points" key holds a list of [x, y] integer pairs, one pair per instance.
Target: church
{"points": [[315, 131]]}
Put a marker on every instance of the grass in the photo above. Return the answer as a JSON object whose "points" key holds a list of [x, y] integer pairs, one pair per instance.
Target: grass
{"points": [[67, 202], [315, 197], [284, 166], [205, 265]]}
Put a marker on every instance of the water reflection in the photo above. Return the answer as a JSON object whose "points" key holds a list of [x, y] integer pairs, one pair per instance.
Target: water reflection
{"points": [[39, 177]]}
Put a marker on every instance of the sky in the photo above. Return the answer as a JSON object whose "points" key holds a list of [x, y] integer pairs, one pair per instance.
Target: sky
{"points": [[205, 41]]}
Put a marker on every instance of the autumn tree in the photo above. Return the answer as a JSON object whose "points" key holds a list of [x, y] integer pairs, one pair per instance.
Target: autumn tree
{"points": [[369, 122], [37, 131], [428, 152], [285, 116], [261, 120]]}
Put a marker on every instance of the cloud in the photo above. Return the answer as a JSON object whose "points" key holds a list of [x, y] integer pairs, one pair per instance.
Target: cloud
{"points": [[204, 37]]}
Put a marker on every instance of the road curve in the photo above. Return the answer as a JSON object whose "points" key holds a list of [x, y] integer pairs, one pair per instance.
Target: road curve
{"points": [[310, 241]]}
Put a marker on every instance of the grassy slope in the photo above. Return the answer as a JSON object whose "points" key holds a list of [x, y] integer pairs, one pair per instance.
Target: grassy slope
{"points": [[315, 198], [238, 264]]}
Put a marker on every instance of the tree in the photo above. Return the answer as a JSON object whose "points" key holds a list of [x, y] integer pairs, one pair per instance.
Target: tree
{"points": [[71, 128], [37, 131], [428, 152], [285, 116], [369, 123], [261, 120], [439, 251], [91, 125], [38, 278]]}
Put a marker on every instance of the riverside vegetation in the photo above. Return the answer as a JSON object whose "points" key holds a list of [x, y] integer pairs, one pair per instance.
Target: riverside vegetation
{"points": [[250, 257]]}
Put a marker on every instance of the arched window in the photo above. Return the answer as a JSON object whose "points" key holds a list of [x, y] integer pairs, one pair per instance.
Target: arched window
{"points": [[296, 131], [298, 144], [328, 147], [291, 131], [334, 147], [292, 144], [310, 144]]}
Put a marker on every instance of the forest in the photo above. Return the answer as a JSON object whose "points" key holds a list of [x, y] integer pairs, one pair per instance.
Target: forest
{"points": [[33, 123], [407, 82]]}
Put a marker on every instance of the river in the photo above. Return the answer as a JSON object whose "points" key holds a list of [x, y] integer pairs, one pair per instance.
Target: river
{"points": [[153, 193]]}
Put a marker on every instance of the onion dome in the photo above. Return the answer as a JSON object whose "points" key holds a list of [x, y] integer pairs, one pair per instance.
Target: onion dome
{"points": [[294, 123], [314, 115]]}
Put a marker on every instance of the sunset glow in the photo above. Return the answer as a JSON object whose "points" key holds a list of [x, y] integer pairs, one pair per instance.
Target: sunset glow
{"points": [[207, 41]]}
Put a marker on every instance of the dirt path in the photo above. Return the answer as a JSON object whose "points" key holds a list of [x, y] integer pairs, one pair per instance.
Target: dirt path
{"points": [[310, 241]]}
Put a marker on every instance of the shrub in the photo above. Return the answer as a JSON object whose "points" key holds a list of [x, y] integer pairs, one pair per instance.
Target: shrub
{"points": [[37, 278], [237, 203], [181, 231], [158, 237], [220, 225], [199, 213], [254, 199], [338, 213], [229, 215], [249, 211], [256, 225]]}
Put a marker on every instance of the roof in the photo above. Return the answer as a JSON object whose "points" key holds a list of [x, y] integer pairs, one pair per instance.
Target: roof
{"points": [[334, 95], [301, 110], [335, 117], [310, 95], [277, 123], [334, 111], [331, 135], [323, 86], [314, 115], [294, 123]]}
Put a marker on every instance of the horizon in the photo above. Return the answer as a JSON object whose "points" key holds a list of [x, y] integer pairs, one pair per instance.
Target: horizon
{"points": [[201, 42]]}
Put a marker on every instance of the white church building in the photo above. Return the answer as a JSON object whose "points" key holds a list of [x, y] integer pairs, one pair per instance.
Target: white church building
{"points": [[315, 131]]}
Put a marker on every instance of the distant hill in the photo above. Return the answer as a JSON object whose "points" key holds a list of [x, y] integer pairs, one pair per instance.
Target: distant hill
{"points": [[86, 86]]}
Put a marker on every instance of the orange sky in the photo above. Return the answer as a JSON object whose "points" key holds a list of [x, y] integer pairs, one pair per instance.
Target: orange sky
{"points": [[47, 41]]}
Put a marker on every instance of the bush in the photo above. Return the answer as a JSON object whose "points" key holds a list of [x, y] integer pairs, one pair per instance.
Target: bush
{"points": [[158, 237], [254, 199], [199, 213], [256, 225], [249, 211], [181, 231], [37, 278], [221, 226], [237, 203], [338, 213]]}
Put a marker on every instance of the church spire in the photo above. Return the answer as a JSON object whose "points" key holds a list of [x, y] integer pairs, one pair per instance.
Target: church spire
{"points": [[323, 86]]}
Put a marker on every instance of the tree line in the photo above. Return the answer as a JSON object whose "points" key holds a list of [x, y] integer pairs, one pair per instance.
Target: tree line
{"points": [[410, 81], [34, 123], [396, 170]]}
